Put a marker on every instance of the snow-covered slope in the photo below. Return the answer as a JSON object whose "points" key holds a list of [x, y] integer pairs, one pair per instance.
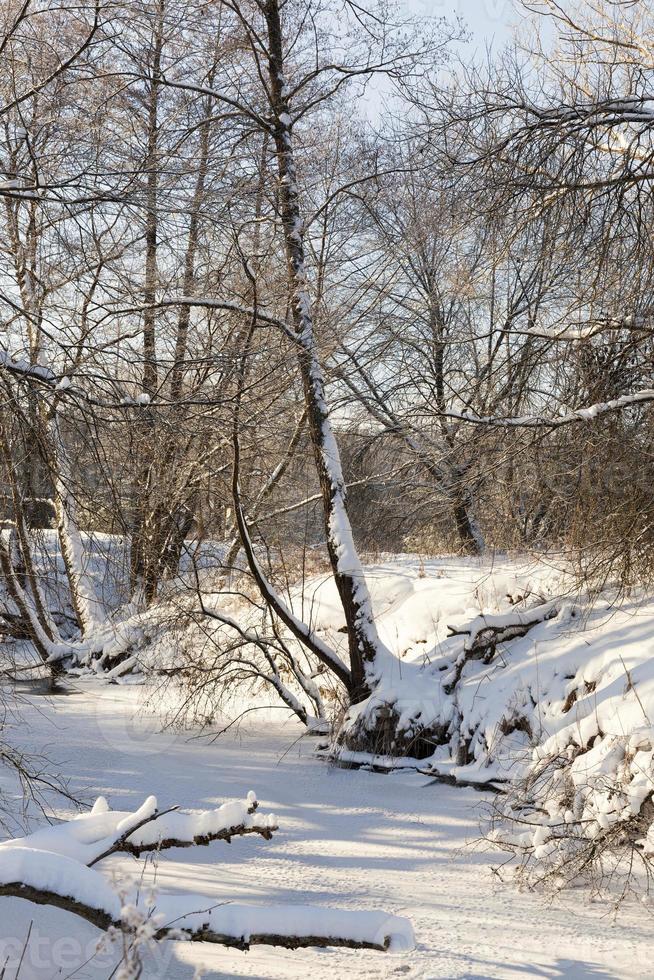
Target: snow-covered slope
{"points": [[561, 717]]}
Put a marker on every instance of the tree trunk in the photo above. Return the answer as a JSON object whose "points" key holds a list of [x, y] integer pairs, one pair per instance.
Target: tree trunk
{"points": [[363, 642], [142, 529], [83, 598]]}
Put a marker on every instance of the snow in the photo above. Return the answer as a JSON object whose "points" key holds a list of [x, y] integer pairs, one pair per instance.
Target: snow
{"points": [[66, 877], [185, 826], [350, 840], [502, 621], [89, 835], [581, 682], [19, 365], [579, 686], [584, 414], [59, 874], [245, 921]]}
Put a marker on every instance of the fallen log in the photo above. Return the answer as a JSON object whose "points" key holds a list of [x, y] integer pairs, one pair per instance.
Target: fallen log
{"points": [[54, 866], [241, 926], [96, 835], [485, 633]]}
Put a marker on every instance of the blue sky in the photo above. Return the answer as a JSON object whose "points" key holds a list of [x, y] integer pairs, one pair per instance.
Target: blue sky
{"points": [[489, 21]]}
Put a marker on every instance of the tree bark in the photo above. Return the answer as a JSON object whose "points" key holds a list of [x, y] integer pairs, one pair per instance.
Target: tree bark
{"points": [[363, 642], [143, 525]]}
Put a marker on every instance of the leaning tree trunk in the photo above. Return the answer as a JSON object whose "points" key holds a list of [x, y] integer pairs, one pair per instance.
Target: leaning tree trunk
{"points": [[365, 648], [142, 562]]}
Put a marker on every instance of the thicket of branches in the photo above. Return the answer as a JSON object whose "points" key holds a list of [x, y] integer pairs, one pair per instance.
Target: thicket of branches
{"points": [[245, 327]]}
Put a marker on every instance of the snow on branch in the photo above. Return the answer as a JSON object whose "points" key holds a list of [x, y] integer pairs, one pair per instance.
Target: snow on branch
{"points": [[587, 414], [503, 626], [589, 329], [92, 836], [35, 372], [486, 632], [60, 881], [52, 867], [290, 926], [47, 878]]}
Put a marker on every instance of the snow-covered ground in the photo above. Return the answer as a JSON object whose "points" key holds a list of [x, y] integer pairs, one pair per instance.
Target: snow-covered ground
{"points": [[347, 839]]}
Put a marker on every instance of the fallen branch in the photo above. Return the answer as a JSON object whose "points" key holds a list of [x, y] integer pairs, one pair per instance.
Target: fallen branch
{"points": [[53, 867], [449, 779], [94, 836], [43, 896], [235, 939], [59, 881], [485, 633]]}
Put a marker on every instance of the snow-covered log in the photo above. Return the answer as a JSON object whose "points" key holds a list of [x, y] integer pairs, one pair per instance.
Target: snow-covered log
{"points": [[93, 836], [60, 881], [485, 633], [488, 629], [290, 926], [53, 867]]}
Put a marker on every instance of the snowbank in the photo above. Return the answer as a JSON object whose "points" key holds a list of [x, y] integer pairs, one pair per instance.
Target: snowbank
{"points": [[561, 717]]}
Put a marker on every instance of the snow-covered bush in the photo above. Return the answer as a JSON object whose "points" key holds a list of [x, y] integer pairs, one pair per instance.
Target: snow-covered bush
{"points": [[584, 812]]}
